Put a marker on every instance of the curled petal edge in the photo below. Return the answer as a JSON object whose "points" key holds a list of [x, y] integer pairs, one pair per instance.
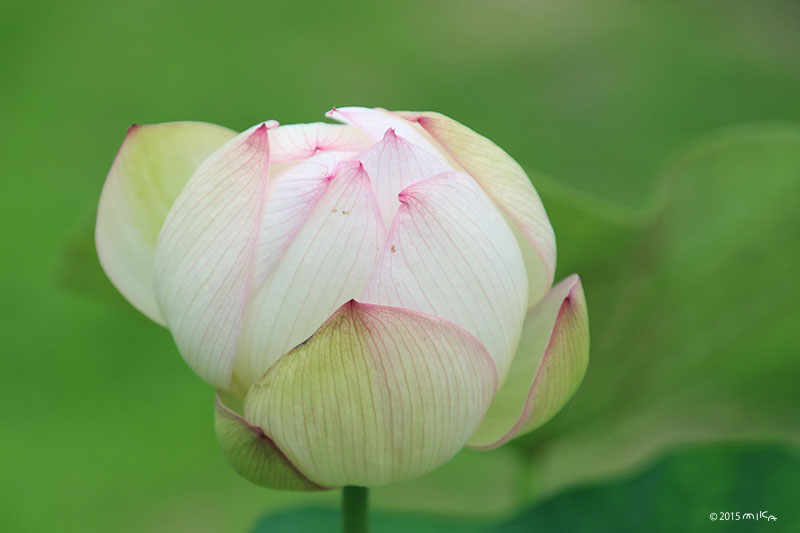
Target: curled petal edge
{"points": [[253, 455], [554, 350]]}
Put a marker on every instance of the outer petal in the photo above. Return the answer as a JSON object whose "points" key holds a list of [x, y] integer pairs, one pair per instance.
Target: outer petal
{"points": [[450, 253], [254, 455], [394, 164], [508, 185], [205, 254], [297, 141], [549, 366], [376, 395], [153, 164], [327, 263]]}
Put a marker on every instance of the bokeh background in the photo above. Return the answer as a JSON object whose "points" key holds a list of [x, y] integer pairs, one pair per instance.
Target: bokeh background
{"points": [[662, 136]]}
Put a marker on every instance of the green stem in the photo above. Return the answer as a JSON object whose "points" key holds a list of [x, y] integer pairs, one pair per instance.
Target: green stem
{"points": [[355, 502]]}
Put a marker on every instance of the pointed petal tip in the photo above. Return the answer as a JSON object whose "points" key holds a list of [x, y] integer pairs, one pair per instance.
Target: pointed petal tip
{"points": [[258, 135], [351, 306], [417, 190], [266, 125], [353, 169], [572, 281], [409, 116], [341, 113], [406, 195], [573, 286]]}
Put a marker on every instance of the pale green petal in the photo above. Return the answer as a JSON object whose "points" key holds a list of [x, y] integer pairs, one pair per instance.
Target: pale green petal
{"points": [[153, 164], [550, 364], [376, 395], [253, 455]]}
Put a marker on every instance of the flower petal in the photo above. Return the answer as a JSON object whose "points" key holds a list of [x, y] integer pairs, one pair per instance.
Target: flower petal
{"points": [[450, 253], [392, 165], [550, 364], [254, 455], [327, 263], [297, 141], [205, 254], [153, 164], [507, 184], [376, 395]]}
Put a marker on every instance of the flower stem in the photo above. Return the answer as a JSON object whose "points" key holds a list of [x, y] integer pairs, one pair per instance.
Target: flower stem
{"points": [[355, 502]]}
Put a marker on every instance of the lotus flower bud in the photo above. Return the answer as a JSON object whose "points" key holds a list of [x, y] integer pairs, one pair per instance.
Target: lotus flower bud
{"points": [[366, 297]]}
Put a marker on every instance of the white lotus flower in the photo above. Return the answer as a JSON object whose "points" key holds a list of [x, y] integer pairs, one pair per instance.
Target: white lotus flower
{"points": [[367, 298]]}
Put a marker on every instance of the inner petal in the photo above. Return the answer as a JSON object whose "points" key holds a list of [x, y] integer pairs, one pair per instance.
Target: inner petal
{"points": [[393, 164], [298, 141], [326, 263], [450, 253], [292, 193]]}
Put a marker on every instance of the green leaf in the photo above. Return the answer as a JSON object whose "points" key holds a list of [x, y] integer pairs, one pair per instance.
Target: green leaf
{"points": [[678, 493], [693, 320]]}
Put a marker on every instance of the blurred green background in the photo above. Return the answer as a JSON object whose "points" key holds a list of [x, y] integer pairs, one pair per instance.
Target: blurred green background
{"points": [[662, 136]]}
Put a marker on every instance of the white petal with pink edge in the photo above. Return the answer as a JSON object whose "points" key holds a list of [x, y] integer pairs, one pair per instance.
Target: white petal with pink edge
{"points": [[297, 141], [205, 254], [292, 193], [375, 122], [327, 263], [393, 164], [450, 253]]}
